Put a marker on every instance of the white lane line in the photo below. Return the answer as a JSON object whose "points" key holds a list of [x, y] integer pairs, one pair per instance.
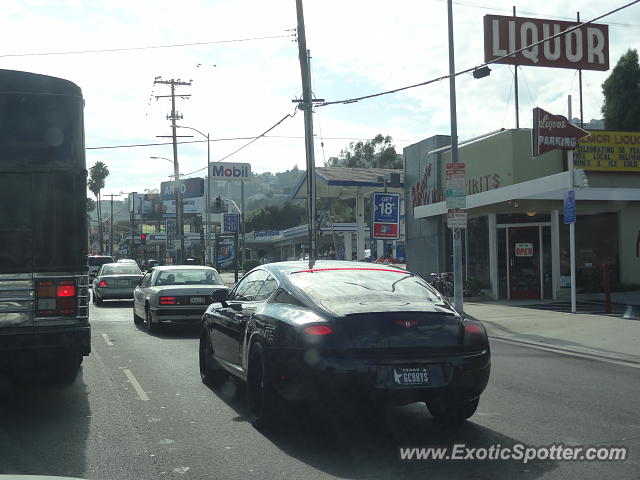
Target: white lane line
{"points": [[136, 386], [569, 353], [107, 339]]}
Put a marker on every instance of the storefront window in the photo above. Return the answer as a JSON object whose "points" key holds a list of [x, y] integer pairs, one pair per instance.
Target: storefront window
{"points": [[477, 251], [596, 244]]}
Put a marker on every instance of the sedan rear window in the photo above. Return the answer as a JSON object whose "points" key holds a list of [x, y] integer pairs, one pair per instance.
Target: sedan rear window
{"points": [[121, 269], [189, 277], [363, 284]]}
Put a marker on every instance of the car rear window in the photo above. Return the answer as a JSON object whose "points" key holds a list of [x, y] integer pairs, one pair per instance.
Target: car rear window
{"points": [[363, 284], [97, 261], [121, 269], [189, 277]]}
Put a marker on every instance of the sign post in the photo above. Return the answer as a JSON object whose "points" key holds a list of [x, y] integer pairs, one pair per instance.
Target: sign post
{"points": [[555, 132], [456, 196]]}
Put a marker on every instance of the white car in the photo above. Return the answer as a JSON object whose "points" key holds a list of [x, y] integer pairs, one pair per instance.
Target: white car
{"points": [[174, 294]]}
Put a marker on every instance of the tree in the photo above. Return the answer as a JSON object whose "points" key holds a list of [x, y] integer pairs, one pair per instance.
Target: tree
{"points": [[379, 152], [273, 217], [97, 176], [621, 108]]}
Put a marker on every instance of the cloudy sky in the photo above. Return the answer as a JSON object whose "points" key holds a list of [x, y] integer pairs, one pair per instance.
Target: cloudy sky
{"points": [[243, 83]]}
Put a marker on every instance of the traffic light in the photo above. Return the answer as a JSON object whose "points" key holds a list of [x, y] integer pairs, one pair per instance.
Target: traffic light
{"points": [[218, 203], [143, 239]]}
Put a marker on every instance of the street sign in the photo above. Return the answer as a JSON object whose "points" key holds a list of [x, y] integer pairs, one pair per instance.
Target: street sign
{"points": [[230, 222], [172, 231], [456, 181], [385, 212], [457, 218], [454, 167], [456, 202], [570, 207]]}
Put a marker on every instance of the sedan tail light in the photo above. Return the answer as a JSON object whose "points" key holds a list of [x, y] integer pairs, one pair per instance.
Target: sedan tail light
{"points": [[474, 334], [168, 301], [103, 284]]}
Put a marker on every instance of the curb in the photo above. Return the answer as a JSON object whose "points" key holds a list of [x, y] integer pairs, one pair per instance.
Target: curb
{"points": [[584, 353]]}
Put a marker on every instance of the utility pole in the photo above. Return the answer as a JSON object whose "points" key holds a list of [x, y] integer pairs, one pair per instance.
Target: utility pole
{"points": [[132, 204], [176, 169], [307, 106], [457, 234]]}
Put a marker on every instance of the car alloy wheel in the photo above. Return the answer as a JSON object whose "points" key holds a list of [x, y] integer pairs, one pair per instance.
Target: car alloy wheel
{"points": [[262, 399], [151, 327], [210, 371]]}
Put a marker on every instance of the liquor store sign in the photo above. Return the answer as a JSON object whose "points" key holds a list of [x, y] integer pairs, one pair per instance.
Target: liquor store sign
{"points": [[608, 151]]}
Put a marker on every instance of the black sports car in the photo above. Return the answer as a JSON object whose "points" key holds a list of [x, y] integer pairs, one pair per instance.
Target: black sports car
{"points": [[294, 333]]}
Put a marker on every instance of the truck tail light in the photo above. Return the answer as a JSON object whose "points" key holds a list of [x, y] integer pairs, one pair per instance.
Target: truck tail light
{"points": [[168, 300], [56, 297]]}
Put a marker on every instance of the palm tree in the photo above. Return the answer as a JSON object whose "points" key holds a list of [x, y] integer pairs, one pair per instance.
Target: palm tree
{"points": [[97, 175]]}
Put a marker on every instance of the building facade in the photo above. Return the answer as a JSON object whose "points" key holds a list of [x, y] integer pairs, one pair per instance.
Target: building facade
{"points": [[516, 244]]}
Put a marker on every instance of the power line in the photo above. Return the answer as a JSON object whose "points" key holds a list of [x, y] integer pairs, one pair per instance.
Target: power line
{"points": [[148, 47], [468, 70], [288, 115]]}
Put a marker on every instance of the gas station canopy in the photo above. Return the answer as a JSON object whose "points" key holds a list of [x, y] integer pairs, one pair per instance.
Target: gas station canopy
{"points": [[344, 183]]}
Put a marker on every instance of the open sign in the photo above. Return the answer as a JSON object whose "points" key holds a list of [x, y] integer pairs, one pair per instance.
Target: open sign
{"points": [[524, 249]]}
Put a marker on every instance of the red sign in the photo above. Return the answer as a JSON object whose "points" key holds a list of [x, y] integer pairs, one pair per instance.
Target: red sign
{"points": [[385, 230], [553, 132], [585, 48], [524, 249]]}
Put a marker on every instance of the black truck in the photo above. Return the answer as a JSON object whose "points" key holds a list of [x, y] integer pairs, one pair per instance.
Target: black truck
{"points": [[44, 316]]}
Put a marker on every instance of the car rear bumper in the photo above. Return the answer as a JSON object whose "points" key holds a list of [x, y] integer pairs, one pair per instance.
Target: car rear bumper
{"points": [[72, 339], [187, 314], [114, 293], [453, 378]]}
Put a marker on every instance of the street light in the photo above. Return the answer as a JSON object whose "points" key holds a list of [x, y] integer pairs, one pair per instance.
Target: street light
{"points": [[207, 241], [176, 190]]}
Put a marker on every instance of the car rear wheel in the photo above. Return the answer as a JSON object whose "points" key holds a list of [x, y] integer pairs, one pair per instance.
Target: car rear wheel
{"points": [[96, 300], [148, 322], [452, 412], [211, 372], [262, 399]]}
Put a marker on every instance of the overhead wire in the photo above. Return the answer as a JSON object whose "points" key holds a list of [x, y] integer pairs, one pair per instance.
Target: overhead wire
{"points": [[148, 47], [469, 70]]}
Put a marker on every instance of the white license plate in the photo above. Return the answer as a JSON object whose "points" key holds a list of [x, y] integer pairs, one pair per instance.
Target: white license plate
{"points": [[123, 283], [411, 376], [196, 300]]}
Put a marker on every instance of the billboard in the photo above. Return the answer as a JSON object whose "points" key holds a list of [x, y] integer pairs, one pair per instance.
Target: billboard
{"points": [[585, 48], [152, 208], [190, 206], [225, 252], [229, 171], [608, 151], [189, 188]]}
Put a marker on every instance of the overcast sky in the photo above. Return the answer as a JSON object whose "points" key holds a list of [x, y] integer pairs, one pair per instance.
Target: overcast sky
{"points": [[241, 88]]}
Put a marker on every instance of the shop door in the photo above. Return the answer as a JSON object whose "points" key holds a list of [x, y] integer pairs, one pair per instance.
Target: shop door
{"points": [[524, 262]]}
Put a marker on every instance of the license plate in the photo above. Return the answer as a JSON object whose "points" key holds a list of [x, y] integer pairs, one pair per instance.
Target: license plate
{"points": [[123, 283], [196, 300], [411, 376]]}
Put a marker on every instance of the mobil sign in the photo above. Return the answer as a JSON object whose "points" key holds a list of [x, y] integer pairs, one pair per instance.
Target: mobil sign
{"points": [[229, 171], [583, 47]]}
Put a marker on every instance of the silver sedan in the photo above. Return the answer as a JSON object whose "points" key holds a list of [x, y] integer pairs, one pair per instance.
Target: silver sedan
{"points": [[115, 281], [174, 294]]}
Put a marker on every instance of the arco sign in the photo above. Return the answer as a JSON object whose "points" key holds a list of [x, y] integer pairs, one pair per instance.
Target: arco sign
{"points": [[585, 48]]}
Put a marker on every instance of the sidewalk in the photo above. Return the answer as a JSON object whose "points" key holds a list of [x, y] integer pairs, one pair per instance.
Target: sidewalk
{"points": [[594, 335]]}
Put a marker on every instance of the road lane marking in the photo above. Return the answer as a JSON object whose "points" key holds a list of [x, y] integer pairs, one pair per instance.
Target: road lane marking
{"points": [[136, 386], [107, 339], [570, 353]]}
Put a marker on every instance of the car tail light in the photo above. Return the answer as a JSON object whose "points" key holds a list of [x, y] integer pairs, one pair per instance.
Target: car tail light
{"points": [[474, 334], [472, 328], [103, 284], [56, 297], [168, 300], [318, 330]]}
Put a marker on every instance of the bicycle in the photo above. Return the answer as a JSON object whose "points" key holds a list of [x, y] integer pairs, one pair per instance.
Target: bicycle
{"points": [[441, 284]]}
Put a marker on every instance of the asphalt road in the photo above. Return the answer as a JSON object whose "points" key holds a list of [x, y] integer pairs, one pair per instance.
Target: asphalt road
{"points": [[139, 411]]}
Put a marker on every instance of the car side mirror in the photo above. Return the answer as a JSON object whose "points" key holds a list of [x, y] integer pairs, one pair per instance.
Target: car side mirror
{"points": [[219, 295]]}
